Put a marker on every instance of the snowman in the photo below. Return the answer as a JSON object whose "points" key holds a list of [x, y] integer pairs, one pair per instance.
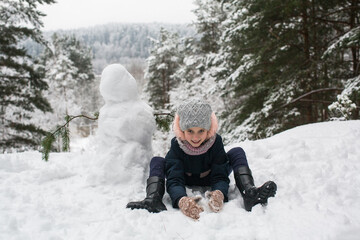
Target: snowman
{"points": [[126, 126]]}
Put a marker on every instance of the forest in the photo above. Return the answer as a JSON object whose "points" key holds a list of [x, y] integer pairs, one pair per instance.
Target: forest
{"points": [[127, 43], [266, 65]]}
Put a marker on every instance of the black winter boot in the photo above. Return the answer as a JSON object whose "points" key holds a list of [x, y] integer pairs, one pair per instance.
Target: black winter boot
{"points": [[251, 194], [155, 190]]}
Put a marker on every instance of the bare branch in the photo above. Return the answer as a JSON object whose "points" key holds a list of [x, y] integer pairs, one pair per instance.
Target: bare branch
{"points": [[305, 95], [163, 114]]}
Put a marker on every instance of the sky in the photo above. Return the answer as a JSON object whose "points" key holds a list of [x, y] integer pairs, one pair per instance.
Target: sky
{"points": [[70, 14]]}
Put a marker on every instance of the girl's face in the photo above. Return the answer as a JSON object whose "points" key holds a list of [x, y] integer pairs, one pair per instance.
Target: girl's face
{"points": [[195, 136]]}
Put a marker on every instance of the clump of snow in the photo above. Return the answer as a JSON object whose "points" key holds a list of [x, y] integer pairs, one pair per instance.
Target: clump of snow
{"points": [[343, 107], [124, 135], [316, 168]]}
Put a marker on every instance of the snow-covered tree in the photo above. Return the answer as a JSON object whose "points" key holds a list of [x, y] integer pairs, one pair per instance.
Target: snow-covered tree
{"points": [[347, 105], [209, 17], [276, 64], [196, 73], [69, 74], [21, 81], [272, 71], [76, 63], [165, 59]]}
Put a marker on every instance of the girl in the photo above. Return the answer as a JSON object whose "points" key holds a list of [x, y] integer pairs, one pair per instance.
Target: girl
{"points": [[197, 158]]}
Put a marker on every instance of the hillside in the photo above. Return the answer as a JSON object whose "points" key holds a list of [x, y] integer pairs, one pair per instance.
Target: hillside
{"points": [[316, 168]]}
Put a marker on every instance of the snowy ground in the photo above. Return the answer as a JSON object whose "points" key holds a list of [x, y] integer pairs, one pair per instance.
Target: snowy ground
{"points": [[315, 166]]}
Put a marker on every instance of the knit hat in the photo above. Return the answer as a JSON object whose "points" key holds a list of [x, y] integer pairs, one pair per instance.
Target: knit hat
{"points": [[194, 113]]}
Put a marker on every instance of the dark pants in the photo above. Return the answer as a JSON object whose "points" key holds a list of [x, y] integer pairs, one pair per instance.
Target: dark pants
{"points": [[237, 158]]}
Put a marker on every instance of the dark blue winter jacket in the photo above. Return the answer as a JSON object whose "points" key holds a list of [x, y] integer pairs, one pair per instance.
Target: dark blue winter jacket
{"points": [[183, 169]]}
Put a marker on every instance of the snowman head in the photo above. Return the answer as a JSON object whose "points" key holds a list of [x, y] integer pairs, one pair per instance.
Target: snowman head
{"points": [[117, 85]]}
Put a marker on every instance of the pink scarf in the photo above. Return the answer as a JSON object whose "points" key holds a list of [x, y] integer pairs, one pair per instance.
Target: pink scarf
{"points": [[203, 148]]}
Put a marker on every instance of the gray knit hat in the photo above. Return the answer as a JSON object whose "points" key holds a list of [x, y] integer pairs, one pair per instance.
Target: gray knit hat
{"points": [[194, 113]]}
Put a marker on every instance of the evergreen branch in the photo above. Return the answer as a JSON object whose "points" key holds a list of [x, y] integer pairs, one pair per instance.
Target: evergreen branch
{"points": [[46, 146], [65, 135], [62, 131], [70, 118], [163, 120]]}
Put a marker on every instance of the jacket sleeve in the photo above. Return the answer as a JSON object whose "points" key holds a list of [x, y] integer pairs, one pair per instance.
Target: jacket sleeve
{"points": [[175, 179], [220, 169]]}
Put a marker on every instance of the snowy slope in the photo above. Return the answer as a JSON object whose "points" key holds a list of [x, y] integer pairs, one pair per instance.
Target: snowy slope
{"points": [[315, 166]]}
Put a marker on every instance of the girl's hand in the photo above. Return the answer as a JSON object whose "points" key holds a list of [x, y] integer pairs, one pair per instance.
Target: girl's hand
{"points": [[216, 200], [189, 206]]}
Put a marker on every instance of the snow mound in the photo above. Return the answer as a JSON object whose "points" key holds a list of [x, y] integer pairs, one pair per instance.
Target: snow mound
{"points": [[316, 168]]}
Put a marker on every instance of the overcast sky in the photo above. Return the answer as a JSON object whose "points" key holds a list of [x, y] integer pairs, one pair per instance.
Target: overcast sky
{"points": [[69, 14]]}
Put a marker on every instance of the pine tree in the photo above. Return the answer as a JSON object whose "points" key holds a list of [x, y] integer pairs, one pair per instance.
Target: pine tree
{"points": [[80, 58], [69, 74], [196, 73], [165, 58], [345, 49], [273, 74], [209, 17], [21, 82]]}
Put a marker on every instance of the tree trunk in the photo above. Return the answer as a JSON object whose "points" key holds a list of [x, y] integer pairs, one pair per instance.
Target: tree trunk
{"points": [[354, 50], [163, 88], [306, 38]]}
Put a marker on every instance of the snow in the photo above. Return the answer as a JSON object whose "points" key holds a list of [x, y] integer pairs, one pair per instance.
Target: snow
{"points": [[316, 168], [126, 127], [83, 194], [117, 84]]}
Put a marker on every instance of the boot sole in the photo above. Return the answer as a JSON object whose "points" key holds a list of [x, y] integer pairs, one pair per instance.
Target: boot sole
{"points": [[267, 190], [136, 205]]}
